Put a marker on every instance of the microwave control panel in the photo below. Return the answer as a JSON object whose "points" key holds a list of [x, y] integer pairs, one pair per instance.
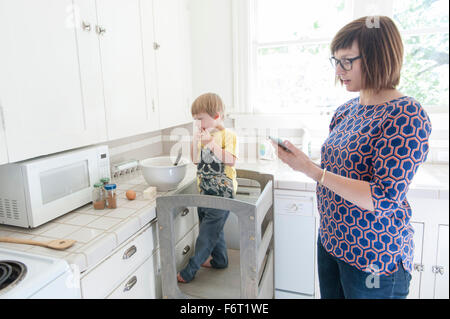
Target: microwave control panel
{"points": [[103, 163]]}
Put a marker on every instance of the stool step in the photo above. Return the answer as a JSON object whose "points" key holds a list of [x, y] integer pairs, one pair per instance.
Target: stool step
{"points": [[210, 283]]}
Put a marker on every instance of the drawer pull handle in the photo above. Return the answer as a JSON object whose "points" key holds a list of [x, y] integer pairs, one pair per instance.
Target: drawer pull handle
{"points": [[186, 249], [294, 207], [185, 212], [130, 284], [129, 252]]}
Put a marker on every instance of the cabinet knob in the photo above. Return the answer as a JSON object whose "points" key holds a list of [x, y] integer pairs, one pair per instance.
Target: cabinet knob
{"points": [[86, 26], [418, 267], [100, 30], [438, 270], [185, 212], [130, 284], [156, 46], [294, 208], [186, 249]]}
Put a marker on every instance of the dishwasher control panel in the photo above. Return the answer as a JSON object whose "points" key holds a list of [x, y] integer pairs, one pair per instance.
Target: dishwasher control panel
{"points": [[294, 204]]}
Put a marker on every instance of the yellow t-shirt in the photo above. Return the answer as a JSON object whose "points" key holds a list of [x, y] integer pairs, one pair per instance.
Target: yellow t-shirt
{"points": [[213, 176]]}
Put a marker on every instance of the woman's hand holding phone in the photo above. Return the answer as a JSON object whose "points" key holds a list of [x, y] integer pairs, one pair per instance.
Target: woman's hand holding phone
{"points": [[293, 156], [278, 142]]}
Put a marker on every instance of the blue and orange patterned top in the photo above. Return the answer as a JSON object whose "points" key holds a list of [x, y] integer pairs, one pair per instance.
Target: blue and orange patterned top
{"points": [[383, 145]]}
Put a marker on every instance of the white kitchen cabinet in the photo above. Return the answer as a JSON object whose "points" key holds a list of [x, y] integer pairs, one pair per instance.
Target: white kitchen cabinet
{"points": [[50, 94], [128, 104], [184, 249], [414, 286], [133, 269], [440, 269], [185, 20], [140, 284], [149, 57], [295, 244], [172, 55], [82, 72], [433, 279], [104, 278]]}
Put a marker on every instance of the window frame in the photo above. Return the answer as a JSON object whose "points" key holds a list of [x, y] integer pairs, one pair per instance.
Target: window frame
{"points": [[246, 46]]}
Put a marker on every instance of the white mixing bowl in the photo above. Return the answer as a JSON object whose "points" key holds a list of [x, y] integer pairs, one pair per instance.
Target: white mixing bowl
{"points": [[160, 172]]}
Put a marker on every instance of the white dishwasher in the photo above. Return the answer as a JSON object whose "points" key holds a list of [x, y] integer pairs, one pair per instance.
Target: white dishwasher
{"points": [[295, 244]]}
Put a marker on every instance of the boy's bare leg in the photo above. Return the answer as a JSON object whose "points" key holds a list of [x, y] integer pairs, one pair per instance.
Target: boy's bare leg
{"points": [[207, 263], [179, 278]]}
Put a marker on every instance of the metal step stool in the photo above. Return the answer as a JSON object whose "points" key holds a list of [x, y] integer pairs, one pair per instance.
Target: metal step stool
{"points": [[251, 268]]}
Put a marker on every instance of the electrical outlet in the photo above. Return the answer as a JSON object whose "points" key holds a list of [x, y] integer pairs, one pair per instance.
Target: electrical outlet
{"points": [[125, 168]]}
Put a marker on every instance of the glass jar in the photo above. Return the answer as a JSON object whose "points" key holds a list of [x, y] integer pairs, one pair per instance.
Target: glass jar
{"points": [[111, 200], [98, 198]]}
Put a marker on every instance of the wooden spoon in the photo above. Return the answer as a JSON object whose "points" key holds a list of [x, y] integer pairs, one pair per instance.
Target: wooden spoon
{"points": [[59, 244]]}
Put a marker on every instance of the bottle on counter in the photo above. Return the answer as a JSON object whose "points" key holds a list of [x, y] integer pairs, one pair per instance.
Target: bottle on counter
{"points": [[104, 181], [98, 198], [111, 200]]}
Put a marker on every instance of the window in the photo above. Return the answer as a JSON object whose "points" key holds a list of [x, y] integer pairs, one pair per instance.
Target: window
{"points": [[424, 28], [290, 71]]}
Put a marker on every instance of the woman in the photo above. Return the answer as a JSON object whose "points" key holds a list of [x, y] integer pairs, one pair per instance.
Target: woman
{"points": [[375, 145]]}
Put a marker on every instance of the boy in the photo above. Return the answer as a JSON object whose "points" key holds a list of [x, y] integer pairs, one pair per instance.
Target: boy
{"points": [[216, 176]]}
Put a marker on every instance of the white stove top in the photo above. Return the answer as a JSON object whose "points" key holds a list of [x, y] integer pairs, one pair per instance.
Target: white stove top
{"points": [[45, 277]]}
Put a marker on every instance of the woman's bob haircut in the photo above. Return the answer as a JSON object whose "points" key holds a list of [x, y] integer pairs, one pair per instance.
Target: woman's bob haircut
{"points": [[380, 46]]}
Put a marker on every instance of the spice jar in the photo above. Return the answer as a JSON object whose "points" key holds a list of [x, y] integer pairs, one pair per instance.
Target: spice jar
{"points": [[111, 200], [105, 180], [98, 199]]}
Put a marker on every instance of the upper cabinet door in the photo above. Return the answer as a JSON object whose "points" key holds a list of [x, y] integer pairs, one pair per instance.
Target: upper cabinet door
{"points": [[3, 149], [148, 41], [185, 18], [45, 107], [171, 57], [128, 111]]}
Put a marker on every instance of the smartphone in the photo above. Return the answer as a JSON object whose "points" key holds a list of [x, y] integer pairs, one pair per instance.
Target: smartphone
{"points": [[280, 143]]}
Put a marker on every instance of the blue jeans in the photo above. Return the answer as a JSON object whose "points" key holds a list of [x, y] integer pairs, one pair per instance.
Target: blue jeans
{"points": [[210, 241], [338, 280]]}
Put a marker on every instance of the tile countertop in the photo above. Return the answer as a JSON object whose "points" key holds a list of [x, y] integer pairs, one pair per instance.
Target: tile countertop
{"points": [[99, 232]]}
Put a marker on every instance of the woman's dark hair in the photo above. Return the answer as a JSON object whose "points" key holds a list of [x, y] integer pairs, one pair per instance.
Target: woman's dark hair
{"points": [[380, 46]]}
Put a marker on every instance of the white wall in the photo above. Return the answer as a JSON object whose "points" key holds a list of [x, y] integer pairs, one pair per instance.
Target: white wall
{"points": [[211, 48]]}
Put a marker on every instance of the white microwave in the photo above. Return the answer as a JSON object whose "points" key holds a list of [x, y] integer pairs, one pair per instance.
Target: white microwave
{"points": [[36, 191]]}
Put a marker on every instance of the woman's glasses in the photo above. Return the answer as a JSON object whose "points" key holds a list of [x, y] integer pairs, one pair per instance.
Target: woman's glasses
{"points": [[346, 64]]}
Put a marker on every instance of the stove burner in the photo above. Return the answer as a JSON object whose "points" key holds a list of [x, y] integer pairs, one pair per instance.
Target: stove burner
{"points": [[11, 273]]}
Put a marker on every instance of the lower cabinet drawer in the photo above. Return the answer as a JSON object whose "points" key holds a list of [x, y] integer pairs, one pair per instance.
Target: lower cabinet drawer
{"points": [[102, 279], [184, 222], [185, 248], [140, 284]]}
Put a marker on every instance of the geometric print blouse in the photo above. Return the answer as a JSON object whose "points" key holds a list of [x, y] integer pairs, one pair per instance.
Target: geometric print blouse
{"points": [[383, 145]]}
